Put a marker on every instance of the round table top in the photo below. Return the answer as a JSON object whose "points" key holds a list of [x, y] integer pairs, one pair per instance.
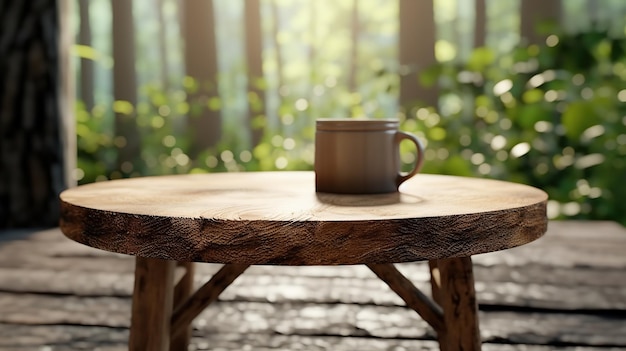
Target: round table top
{"points": [[278, 218]]}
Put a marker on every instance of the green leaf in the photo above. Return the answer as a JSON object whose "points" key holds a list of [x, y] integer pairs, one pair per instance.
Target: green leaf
{"points": [[214, 103], [480, 59], [436, 134], [528, 115], [123, 107], [262, 151], [458, 166], [85, 52], [430, 75], [532, 96], [577, 117]]}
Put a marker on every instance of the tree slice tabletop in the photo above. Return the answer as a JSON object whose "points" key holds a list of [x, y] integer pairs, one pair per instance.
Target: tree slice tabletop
{"points": [[278, 218]]}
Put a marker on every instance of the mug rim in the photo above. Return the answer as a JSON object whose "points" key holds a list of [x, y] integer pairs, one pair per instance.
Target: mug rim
{"points": [[356, 124]]}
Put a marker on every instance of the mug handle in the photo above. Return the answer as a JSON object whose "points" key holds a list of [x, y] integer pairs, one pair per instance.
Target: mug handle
{"points": [[400, 135]]}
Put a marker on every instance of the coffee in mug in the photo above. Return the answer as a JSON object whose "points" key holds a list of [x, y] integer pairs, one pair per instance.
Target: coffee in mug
{"points": [[361, 156]]}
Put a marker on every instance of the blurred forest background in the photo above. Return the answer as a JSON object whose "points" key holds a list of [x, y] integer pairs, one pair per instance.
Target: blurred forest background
{"points": [[523, 90]]}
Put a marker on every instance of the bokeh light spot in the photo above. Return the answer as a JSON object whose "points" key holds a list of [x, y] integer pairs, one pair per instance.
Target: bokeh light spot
{"points": [[281, 162], [211, 161], [245, 156], [227, 156], [169, 141], [520, 150], [552, 40]]}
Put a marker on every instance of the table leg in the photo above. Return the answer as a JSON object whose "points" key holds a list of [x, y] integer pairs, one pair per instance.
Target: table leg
{"points": [[458, 300], [152, 305], [411, 295], [435, 281], [204, 296], [435, 284], [182, 291]]}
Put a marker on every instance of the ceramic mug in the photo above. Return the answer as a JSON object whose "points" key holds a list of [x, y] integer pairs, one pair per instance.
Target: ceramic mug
{"points": [[361, 156]]}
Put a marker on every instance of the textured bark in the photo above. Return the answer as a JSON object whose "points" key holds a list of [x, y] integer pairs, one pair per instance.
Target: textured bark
{"points": [[277, 218], [198, 30], [32, 160], [535, 12], [416, 51], [254, 60]]}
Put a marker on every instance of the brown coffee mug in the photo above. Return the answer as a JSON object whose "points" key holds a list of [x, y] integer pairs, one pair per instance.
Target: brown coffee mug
{"points": [[361, 156]]}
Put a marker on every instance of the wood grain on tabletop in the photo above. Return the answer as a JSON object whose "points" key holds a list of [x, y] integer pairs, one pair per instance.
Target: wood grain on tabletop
{"points": [[278, 218]]}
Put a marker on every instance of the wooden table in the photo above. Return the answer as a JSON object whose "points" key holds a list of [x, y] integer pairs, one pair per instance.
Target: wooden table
{"points": [[277, 218]]}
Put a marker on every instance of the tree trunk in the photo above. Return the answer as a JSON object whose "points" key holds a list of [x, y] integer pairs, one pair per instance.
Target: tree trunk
{"points": [[86, 65], [279, 61], [592, 11], [534, 12], [416, 51], [312, 53], [254, 60], [165, 74], [125, 82], [480, 23], [201, 64], [33, 161], [354, 49], [275, 32]]}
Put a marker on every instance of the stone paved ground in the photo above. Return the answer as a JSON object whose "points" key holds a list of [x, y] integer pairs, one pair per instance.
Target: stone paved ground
{"points": [[566, 291]]}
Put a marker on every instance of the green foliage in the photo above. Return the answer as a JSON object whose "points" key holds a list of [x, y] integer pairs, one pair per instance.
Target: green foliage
{"points": [[551, 116], [162, 121]]}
